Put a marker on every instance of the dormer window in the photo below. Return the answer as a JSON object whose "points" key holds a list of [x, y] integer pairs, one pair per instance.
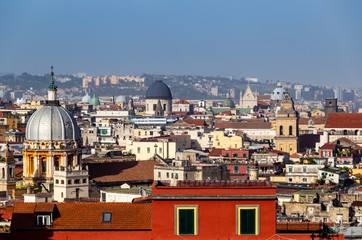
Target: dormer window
{"points": [[106, 218], [43, 220]]}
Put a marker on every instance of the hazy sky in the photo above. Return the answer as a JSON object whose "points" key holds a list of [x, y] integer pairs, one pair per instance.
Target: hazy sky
{"points": [[309, 41]]}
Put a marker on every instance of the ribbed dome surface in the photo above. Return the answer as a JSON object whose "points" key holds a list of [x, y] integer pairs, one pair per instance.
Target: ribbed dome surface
{"points": [[52, 123], [278, 92], [158, 90]]}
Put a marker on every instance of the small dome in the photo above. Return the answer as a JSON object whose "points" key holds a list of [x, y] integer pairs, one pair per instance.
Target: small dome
{"points": [[158, 90], [86, 98], [228, 102], [52, 123], [121, 99], [94, 101], [278, 92]]}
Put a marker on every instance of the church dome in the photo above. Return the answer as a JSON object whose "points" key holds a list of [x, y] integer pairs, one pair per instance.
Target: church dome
{"points": [[86, 98], [121, 99], [94, 101], [278, 92], [52, 122], [228, 102], [158, 90]]}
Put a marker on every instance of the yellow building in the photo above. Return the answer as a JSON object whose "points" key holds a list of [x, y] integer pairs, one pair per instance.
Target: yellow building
{"points": [[287, 126], [222, 140]]}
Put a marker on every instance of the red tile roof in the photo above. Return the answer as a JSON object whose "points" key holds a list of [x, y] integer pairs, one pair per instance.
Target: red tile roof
{"points": [[217, 184], [261, 103], [182, 101], [216, 152], [344, 120], [328, 146], [85, 216], [122, 171], [197, 122]]}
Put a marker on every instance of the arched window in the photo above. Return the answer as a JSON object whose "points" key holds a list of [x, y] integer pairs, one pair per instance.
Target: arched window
{"points": [[290, 130], [281, 130], [3, 173], [344, 132], [43, 165], [31, 164]]}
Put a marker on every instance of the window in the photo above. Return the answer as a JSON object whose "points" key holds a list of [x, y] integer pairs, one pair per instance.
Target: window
{"points": [[236, 169], [69, 181], [90, 131], [244, 155], [290, 130], [290, 169], [106, 217], [76, 181], [167, 175], [84, 180], [61, 194], [43, 220], [176, 175], [62, 182], [159, 174], [44, 165], [138, 150], [56, 181], [304, 170], [148, 150], [247, 219], [226, 154], [235, 155], [281, 130], [171, 175], [186, 220], [160, 150]]}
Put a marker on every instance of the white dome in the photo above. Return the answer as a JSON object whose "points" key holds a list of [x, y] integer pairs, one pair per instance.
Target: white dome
{"points": [[52, 122], [121, 99], [86, 98], [278, 92]]}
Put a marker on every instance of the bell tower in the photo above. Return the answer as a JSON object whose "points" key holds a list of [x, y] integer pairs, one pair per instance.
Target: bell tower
{"points": [[286, 138], [7, 170]]}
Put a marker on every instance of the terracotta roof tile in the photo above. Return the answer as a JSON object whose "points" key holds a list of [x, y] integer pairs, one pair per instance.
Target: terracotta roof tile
{"points": [[122, 171], [44, 207], [86, 216], [195, 121], [328, 146], [216, 152], [344, 120], [182, 101]]}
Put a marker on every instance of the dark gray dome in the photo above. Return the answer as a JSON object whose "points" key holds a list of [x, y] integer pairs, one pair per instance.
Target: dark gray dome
{"points": [[158, 90], [52, 123]]}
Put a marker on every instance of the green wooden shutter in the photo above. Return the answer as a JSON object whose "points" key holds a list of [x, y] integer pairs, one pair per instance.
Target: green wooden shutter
{"points": [[247, 221], [186, 221]]}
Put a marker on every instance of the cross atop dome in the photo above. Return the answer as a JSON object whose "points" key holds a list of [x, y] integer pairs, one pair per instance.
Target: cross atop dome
{"points": [[52, 86], [52, 89]]}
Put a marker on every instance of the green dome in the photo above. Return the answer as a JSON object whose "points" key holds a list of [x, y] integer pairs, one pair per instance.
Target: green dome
{"points": [[228, 102], [94, 101]]}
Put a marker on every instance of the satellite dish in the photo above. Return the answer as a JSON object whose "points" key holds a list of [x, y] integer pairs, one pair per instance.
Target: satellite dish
{"points": [[143, 192]]}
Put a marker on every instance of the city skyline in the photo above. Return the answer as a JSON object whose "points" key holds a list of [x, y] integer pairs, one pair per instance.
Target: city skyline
{"points": [[298, 42]]}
